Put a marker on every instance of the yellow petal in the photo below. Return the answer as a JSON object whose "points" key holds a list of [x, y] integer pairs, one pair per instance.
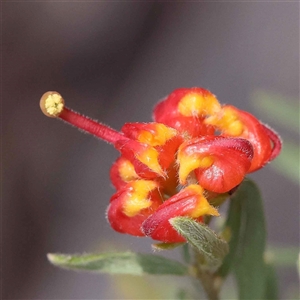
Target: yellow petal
{"points": [[203, 207], [127, 171], [196, 104], [149, 157], [159, 137], [138, 199], [188, 163], [227, 121]]}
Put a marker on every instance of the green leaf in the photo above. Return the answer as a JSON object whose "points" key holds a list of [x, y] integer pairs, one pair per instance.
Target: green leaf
{"points": [[120, 263], [231, 233], [211, 248], [271, 287], [249, 263], [245, 228]]}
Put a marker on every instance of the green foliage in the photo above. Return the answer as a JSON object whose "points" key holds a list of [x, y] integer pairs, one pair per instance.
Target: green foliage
{"points": [[232, 228], [249, 258], [246, 226], [120, 263], [210, 247], [271, 288], [243, 255]]}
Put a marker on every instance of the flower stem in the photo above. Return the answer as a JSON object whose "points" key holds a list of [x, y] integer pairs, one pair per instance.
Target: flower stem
{"points": [[210, 282]]}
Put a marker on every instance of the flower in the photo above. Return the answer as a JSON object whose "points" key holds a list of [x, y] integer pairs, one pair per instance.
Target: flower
{"points": [[195, 150]]}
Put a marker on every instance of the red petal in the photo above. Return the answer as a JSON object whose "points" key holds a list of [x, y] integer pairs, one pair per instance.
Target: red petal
{"points": [[167, 112], [130, 149], [186, 203], [164, 139], [257, 135], [276, 140], [254, 131], [230, 160], [122, 172], [116, 212]]}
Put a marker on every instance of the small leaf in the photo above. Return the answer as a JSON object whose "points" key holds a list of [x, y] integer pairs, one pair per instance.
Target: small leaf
{"points": [[120, 263], [249, 263], [211, 248]]}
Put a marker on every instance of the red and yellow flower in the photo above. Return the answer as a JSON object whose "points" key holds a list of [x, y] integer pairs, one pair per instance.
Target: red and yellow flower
{"points": [[194, 150]]}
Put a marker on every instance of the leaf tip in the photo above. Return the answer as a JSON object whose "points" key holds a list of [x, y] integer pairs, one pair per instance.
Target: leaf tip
{"points": [[57, 259], [51, 257]]}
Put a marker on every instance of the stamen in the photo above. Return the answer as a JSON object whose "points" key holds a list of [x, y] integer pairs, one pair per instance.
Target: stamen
{"points": [[52, 105]]}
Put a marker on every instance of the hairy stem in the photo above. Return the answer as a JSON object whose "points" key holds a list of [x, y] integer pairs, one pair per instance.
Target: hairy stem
{"points": [[210, 282]]}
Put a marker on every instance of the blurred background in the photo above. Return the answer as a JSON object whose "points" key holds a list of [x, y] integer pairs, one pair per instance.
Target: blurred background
{"points": [[113, 61]]}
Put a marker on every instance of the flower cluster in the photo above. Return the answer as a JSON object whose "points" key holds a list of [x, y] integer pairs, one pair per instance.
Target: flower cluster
{"points": [[195, 150]]}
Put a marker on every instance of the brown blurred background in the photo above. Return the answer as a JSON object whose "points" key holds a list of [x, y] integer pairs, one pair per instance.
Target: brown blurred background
{"points": [[113, 61]]}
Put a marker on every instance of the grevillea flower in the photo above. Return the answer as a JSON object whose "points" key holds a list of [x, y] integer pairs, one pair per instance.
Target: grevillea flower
{"points": [[175, 166]]}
